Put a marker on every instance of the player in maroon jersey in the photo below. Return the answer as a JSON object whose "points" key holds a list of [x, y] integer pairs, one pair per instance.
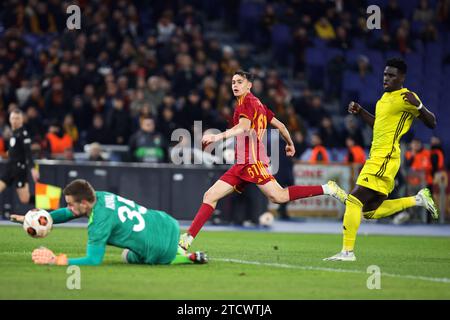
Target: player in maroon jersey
{"points": [[250, 122]]}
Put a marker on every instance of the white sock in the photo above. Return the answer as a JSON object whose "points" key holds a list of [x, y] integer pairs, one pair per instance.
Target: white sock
{"points": [[326, 189], [419, 201]]}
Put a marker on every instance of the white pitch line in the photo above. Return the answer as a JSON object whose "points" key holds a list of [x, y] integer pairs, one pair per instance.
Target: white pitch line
{"points": [[290, 266]]}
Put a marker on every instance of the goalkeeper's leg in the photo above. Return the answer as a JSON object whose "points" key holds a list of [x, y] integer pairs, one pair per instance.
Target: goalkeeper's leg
{"points": [[131, 257]]}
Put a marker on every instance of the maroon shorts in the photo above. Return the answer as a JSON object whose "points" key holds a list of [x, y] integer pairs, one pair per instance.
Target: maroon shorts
{"points": [[240, 175]]}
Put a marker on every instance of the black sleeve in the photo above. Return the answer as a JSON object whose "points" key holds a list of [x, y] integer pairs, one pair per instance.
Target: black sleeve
{"points": [[27, 149]]}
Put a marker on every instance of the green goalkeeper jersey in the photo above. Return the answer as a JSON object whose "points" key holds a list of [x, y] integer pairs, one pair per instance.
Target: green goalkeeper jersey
{"points": [[151, 235]]}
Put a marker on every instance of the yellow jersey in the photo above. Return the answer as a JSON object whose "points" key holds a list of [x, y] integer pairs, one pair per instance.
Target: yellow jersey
{"points": [[393, 118]]}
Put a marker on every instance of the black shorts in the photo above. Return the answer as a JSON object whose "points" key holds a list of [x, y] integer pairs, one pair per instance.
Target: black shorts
{"points": [[15, 174]]}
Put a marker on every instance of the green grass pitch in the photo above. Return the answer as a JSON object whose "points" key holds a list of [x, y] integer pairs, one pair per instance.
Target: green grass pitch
{"points": [[244, 265]]}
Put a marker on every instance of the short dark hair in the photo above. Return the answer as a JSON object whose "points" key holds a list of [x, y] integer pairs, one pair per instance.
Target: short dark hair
{"points": [[247, 75], [80, 190], [398, 63]]}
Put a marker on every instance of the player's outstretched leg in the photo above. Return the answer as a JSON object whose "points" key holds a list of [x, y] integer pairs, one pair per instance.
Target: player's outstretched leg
{"points": [[275, 193], [390, 207]]}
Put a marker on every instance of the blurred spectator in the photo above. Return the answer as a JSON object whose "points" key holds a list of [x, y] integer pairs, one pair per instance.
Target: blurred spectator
{"points": [[268, 19], [56, 105], [355, 153], [147, 145], [437, 156], [335, 68], [58, 144], [137, 103], [392, 12], [404, 41], [184, 79], [319, 154], [165, 27], [7, 94], [166, 124], [154, 92], [118, 122], [363, 66], [324, 29], [384, 43], [98, 131], [82, 111], [35, 99], [353, 130], [303, 103], [331, 138], [342, 40], [300, 43], [418, 160], [95, 152], [70, 128], [300, 144], [316, 112], [429, 33], [38, 19], [34, 123], [292, 121], [443, 12], [423, 13], [23, 92], [245, 57]]}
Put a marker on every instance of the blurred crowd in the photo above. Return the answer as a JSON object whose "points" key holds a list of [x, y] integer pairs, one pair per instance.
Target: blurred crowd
{"points": [[137, 70]]}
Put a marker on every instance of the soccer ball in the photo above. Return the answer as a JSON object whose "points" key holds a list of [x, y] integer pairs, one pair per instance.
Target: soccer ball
{"points": [[37, 223], [266, 219]]}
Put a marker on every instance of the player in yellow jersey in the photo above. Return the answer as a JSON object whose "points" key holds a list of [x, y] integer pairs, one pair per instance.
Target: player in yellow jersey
{"points": [[394, 114]]}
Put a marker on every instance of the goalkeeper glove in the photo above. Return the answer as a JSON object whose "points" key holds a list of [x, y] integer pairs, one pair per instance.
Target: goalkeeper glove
{"points": [[46, 256]]}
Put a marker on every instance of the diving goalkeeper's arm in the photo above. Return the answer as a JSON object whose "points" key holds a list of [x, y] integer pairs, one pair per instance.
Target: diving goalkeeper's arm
{"points": [[94, 256], [59, 216]]}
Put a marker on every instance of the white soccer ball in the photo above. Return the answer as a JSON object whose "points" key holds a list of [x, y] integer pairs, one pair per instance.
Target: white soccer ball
{"points": [[37, 223], [266, 219]]}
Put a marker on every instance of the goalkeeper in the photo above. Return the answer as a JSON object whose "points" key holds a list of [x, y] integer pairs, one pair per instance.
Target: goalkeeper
{"points": [[148, 236]]}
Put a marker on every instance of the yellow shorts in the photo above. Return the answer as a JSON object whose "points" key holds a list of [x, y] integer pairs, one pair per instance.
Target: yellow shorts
{"points": [[379, 174]]}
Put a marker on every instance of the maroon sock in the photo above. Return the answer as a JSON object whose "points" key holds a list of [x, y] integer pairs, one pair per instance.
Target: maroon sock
{"points": [[298, 192], [203, 214]]}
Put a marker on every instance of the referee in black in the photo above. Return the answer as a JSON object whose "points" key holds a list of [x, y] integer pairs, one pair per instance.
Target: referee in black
{"points": [[19, 160]]}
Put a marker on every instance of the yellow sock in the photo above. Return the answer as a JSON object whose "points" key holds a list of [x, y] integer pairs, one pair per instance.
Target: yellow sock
{"points": [[352, 220], [389, 207]]}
